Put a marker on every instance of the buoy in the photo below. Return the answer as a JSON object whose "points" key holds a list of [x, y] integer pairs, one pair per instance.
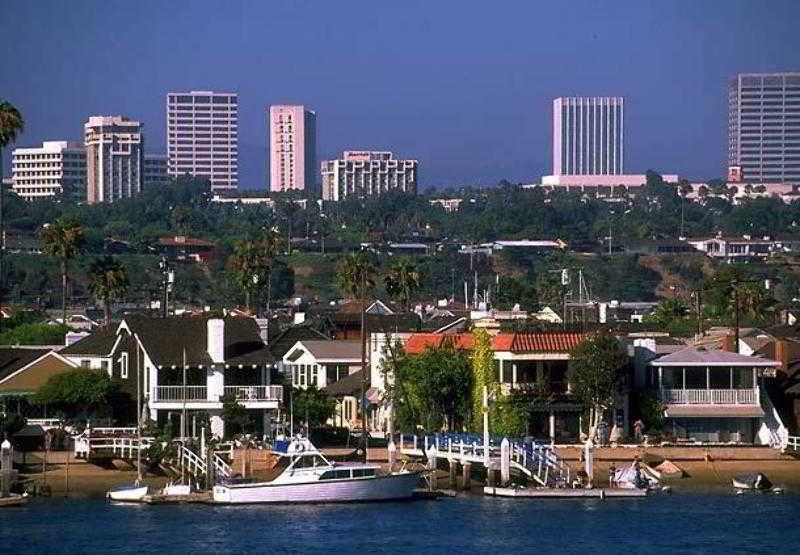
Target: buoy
{"points": [[666, 489], [777, 491]]}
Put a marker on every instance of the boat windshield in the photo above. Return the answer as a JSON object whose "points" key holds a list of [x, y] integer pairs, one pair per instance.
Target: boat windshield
{"points": [[342, 473], [310, 461]]}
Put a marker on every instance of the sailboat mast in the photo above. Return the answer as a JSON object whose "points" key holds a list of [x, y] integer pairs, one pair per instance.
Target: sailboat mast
{"points": [[138, 412]]}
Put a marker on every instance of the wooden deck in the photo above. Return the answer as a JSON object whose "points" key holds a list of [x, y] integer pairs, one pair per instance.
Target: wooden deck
{"points": [[13, 500], [564, 493]]}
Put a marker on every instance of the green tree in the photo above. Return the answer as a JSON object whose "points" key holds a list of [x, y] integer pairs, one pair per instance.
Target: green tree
{"points": [[484, 374], [510, 415], [432, 390], [235, 415], [11, 125], [355, 276], [249, 266], [668, 312], [312, 407], [402, 280], [108, 281], [596, 373], [34, 333], [78, 393], [63, 240]]}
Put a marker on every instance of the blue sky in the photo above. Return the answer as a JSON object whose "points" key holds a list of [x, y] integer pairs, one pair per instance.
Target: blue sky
{"points": [[465, 87]]}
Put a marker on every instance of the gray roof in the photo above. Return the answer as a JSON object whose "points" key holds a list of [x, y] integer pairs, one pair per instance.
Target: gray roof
{"points": [[333, 350], [694, 356]]}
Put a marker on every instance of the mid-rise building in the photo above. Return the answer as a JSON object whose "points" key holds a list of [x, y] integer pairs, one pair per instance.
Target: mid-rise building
{"points": [[588, 136], [54, 169], [114, 158], [155, 170], [589, 147], [366, 174], [203, 136], [764, 127], [292, 149]]}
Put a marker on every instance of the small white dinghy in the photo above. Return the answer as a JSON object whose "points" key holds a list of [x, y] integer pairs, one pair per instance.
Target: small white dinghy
{"points": [[133, 492], [176, 489]]}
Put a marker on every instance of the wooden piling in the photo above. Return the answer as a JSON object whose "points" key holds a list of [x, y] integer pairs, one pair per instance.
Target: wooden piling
{"points": [[466, 476], [453, 477]]}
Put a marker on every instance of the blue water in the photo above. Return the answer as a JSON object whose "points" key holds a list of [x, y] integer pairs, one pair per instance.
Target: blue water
{"points": [[673, 524]]}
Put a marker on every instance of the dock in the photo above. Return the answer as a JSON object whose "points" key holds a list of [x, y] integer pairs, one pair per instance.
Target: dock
{"points": [[13, 500], [565, 493], [159, 499]]}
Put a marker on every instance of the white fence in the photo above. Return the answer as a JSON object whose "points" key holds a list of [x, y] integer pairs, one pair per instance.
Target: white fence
{"points": [[199, 393]]}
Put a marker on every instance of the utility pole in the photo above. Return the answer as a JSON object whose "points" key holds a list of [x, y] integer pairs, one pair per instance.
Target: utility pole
{"points": [[736, 310], [167, 279], [364, 405], [697, 307]]}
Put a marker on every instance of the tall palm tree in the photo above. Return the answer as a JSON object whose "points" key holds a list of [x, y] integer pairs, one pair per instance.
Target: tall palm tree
{"points": [[270, 244], [11, 124], [402, 280], [355, 276], [108, 281], [249, 268], [63, 240]]}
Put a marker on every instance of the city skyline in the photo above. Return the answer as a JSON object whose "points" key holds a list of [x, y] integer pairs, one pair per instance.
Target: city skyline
{"points": [[501, 84]]}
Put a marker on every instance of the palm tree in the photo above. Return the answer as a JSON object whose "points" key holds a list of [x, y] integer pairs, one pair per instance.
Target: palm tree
{"points": [[249, 267], [108, 281], [11, 124], [63, 240], [402, 280], [270, 244], [355, 276]]}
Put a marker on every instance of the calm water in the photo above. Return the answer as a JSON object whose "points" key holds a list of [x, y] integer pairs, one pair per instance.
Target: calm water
{"points": [[680, 523]]}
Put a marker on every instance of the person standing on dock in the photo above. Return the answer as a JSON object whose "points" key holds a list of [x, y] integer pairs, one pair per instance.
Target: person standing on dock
{"points": [[612, 476], [638, 428]]}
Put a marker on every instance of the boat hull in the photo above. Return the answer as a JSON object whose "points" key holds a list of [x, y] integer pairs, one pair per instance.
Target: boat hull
{"points": [[128, 494], [378, 488]]}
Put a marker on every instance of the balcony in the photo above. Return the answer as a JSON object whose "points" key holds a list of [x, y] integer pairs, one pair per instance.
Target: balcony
{"points": [[195, 394], [710, 396]]}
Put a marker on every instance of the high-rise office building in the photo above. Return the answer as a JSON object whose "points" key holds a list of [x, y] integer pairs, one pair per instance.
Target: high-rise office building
{"points": [[364, 173], [55, 168], [203, 136], [588, 136], [293, 149], [155, 170], [764, 127], [114, 158]]}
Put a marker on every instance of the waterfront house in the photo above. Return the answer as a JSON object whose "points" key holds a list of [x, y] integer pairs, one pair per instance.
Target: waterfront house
{"points": [[324, 364], [188, 363], [23, 370], [715, 396], [534, 365]]}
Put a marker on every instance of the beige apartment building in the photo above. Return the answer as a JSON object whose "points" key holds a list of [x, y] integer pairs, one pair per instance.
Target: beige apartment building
{"points": [[55, 168], [367, 173], [114, 158]]}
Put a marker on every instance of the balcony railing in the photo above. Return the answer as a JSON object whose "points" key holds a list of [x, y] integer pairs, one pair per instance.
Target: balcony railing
{"points": [[709, 396], [181, 393], [255, 392], [199, 393]]}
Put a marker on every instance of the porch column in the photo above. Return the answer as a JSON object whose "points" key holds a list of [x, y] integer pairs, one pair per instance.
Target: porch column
{"points": [[514, 372], [708, 377], [215, 383], [500, 376], [660, 380], [552, 426]]}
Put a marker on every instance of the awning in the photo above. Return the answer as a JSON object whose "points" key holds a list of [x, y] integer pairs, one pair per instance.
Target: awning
{"points": [[714, 411]]}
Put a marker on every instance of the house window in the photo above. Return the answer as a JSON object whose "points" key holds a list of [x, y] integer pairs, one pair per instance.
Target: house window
{"points": [[85, 363], [104, 365], [123, 366]]}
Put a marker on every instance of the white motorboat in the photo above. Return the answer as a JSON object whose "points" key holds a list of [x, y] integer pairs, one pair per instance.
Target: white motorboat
{"points": [[752, 482], [176, 489], [133, 492], [303, 475]]}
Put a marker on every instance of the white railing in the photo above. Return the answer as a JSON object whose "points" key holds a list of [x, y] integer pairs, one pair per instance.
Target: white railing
{"points": [[46, 423], [122, 447], [255, 392], [196, 465], [199, 393], [793, 442], [710, 396], [181, 393]]}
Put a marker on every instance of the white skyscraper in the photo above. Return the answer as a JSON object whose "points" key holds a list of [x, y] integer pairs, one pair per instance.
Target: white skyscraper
{"points": [[55, 168], [588, 136], [202, 136]]}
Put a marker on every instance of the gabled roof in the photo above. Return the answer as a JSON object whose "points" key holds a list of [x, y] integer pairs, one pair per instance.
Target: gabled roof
{"points": [[99, 343], [332, 350], [421, 341], [349, 385], [287, 338], [694, 356], [165, 340], [15, 358]]}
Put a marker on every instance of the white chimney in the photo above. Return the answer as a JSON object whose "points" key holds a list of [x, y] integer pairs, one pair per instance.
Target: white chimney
{"points": [[216, 340], [299, 318]]}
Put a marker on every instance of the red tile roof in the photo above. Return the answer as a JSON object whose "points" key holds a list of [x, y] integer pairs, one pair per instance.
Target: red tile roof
{"points": [[514, 342]]}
